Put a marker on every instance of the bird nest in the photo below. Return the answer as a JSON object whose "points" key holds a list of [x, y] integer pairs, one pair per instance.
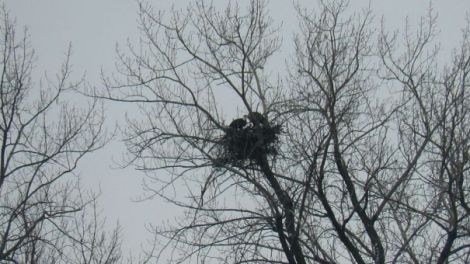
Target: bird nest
{"points": [[247, 142]]}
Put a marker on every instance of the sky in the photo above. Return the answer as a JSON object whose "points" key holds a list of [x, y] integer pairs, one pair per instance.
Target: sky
{"points": [[95, 27]]}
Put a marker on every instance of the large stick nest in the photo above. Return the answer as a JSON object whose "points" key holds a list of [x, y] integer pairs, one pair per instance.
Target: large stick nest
{"points": [[246, 142]]}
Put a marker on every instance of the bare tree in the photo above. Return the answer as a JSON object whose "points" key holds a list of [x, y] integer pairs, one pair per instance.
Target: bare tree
{"points": [[360, 156], [43, 137], [79, 237], [429, 201], [85, 238]]}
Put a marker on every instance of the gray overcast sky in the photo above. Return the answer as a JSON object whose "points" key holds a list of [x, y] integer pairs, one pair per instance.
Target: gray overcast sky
{"points": [[95, 26]]}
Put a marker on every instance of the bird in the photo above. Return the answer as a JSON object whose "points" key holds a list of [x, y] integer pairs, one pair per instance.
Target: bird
{"points": [[238, 123], [257, 119]]}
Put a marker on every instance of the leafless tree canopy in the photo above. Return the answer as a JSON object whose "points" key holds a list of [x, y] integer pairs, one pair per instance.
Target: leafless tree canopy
{"points": [[42, 209], [373, 152]]}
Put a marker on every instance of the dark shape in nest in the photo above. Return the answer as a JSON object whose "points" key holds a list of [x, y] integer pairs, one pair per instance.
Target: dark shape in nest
{"points": [[238, 123], [244, 142], [258, 119]]}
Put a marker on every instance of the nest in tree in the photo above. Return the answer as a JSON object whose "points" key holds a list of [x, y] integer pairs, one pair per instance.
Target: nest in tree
{"points": [[248, 141]]}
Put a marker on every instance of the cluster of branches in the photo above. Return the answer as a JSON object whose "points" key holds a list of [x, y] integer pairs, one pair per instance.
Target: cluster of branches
{"points": [[44, 215], [373, 164]]}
